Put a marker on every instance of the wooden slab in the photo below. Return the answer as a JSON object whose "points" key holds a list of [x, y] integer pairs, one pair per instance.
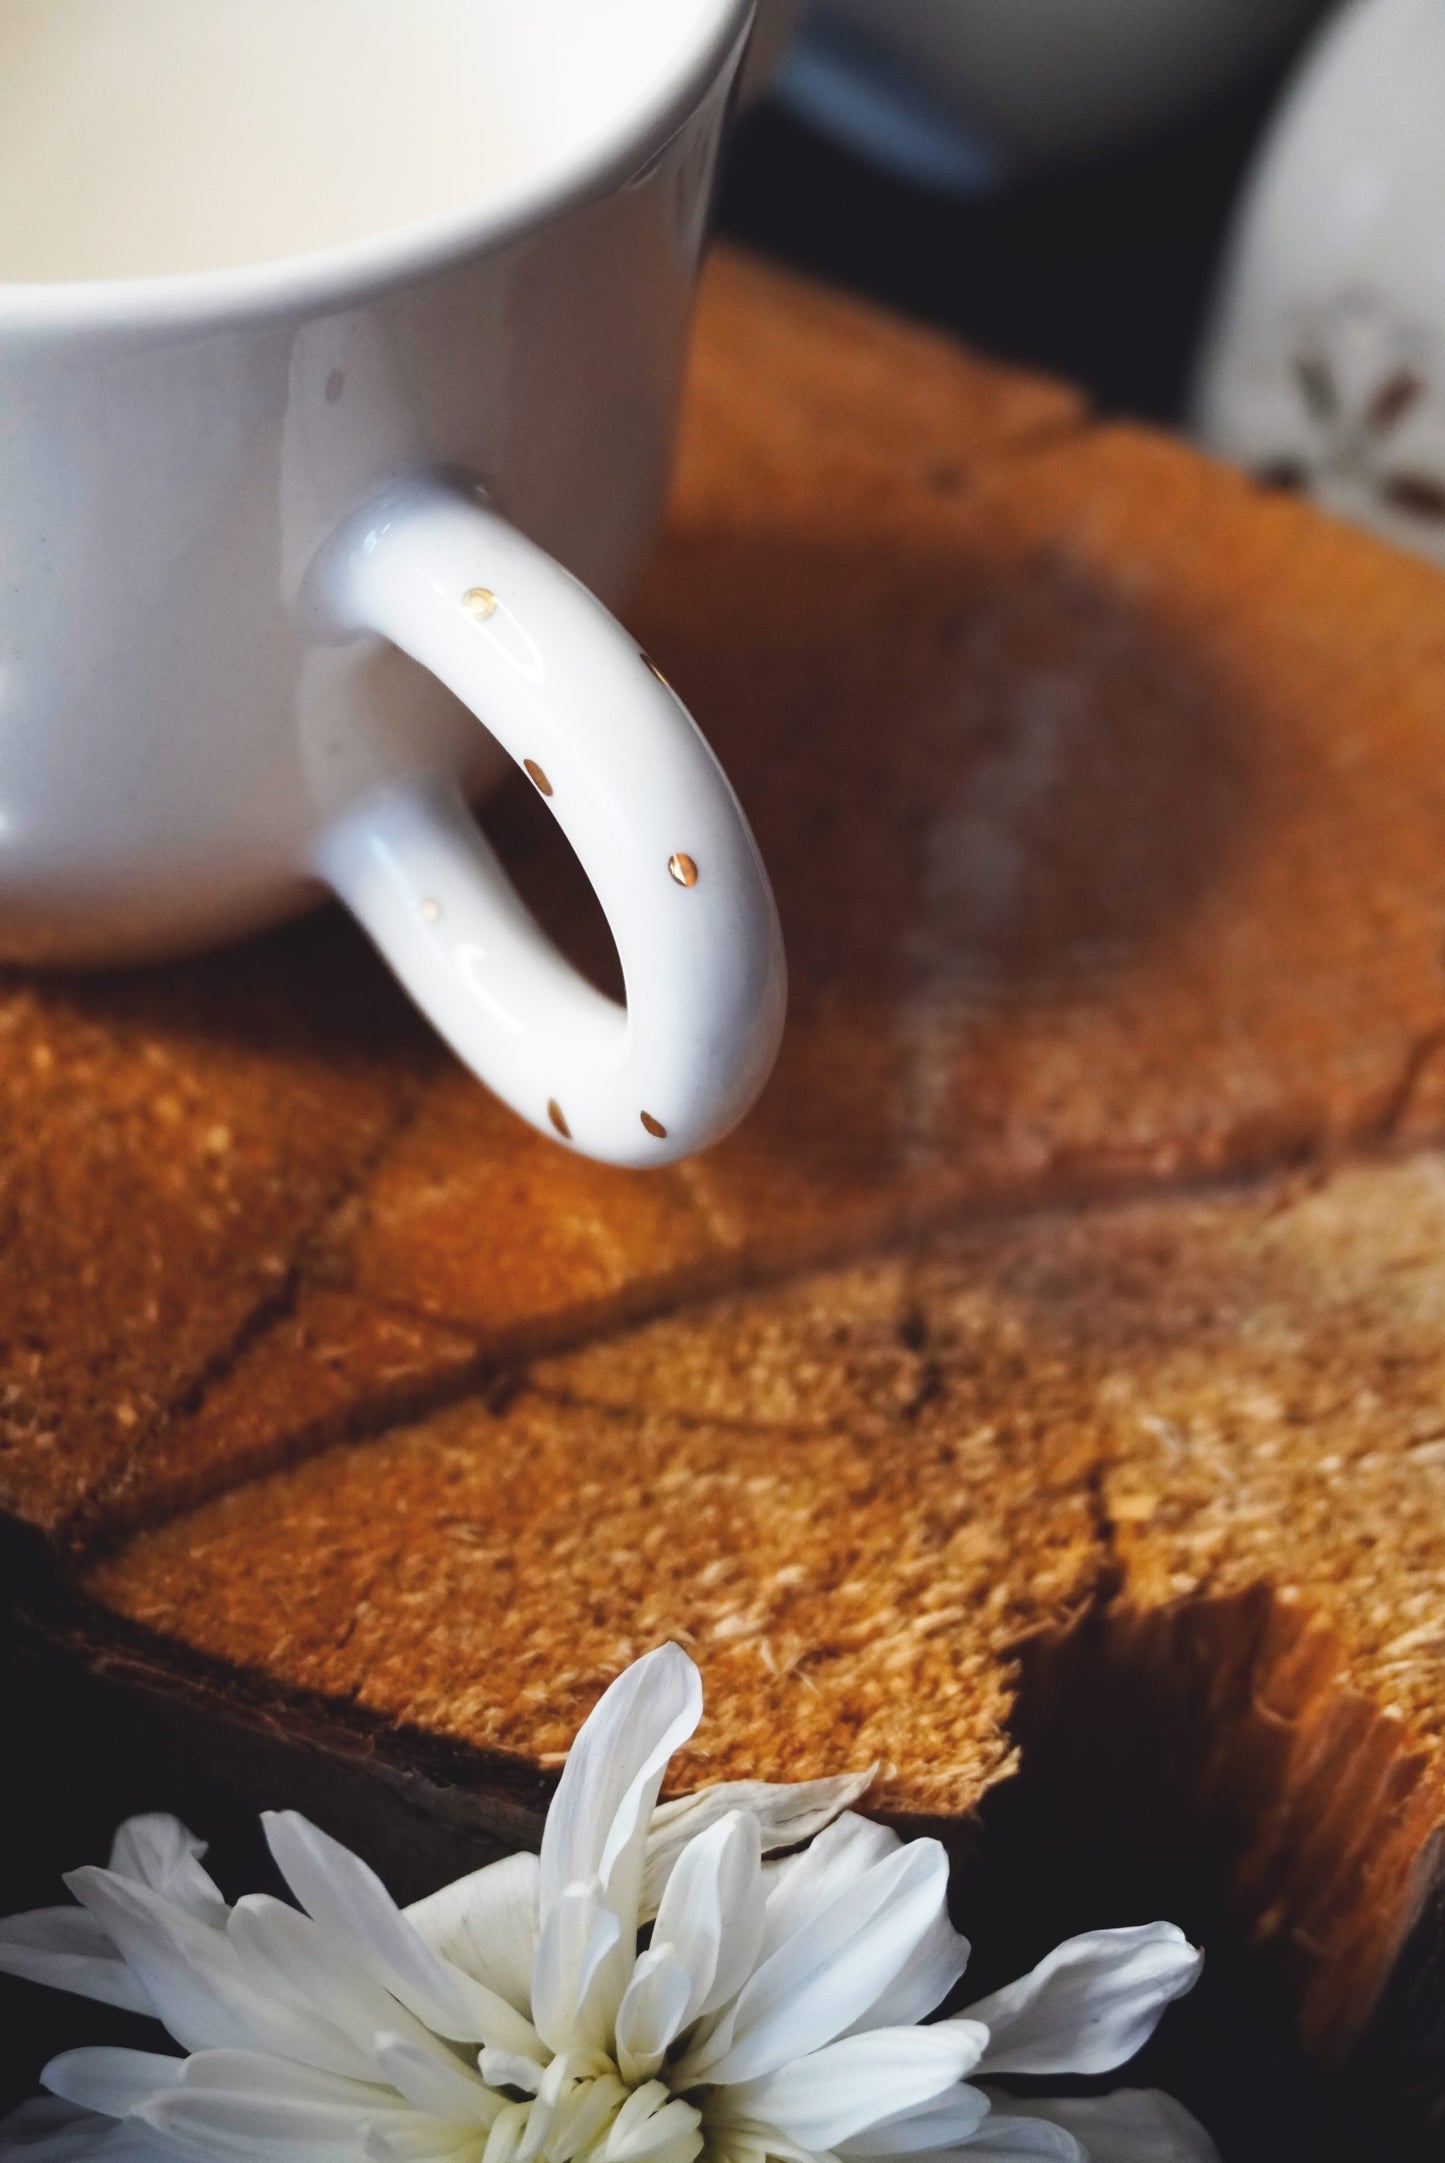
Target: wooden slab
{"points": [[1102, 795], [1104, 798]]}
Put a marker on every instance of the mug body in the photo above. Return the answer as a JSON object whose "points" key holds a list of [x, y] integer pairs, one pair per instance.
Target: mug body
{"points": [[173, 454]]}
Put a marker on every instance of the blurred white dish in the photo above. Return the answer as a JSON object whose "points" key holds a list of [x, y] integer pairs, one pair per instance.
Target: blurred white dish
{"points": [[1025, 83], [1325, 366]]}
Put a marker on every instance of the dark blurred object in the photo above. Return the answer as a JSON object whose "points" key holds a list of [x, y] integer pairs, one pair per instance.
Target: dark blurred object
{"points": [[1028, 85], [1101, 274]]}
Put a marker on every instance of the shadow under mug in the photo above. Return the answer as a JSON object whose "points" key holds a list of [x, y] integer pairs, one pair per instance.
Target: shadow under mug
{"points": [[239, 506]]}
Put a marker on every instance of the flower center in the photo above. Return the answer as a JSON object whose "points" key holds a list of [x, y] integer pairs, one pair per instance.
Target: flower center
{"points": [[583, 2112]]}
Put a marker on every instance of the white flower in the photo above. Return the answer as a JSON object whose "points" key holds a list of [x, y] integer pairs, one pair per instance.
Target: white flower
{"points": [[528, 2015]]}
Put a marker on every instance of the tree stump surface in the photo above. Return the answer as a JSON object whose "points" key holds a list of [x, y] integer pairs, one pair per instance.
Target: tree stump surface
{"points": [[1050, 1372]]}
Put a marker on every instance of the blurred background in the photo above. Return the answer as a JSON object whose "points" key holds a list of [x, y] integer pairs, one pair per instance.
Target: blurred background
{"points": [[1220, 214], [1052, 179]]}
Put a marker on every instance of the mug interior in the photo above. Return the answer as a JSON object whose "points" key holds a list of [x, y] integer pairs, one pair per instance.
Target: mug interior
{"points": [[147, 138]]}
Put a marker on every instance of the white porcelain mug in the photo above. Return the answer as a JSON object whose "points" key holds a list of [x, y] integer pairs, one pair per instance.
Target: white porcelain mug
{"points": [[329, 332]]}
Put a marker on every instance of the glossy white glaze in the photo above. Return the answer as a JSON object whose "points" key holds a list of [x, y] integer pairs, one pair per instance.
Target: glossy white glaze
{"points": [[1325, 363], [639, 796], [182, 730]]}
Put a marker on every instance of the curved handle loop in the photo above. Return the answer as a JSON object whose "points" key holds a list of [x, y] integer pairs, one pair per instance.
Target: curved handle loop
{"points": [[641, 799]]}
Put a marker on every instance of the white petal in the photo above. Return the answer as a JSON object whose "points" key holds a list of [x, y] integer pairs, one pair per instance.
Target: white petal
{"points": [[924, 1980], [735, 2148], [938, 2124], [70, 1950], [774, 2146], [506, 2135], [1135, 2125], [801, 1884], [1004, 2140], [52, 2131], [563, 2093], [316, 1982], [189, 1972], [442, 2087], [651, 2127], [837, 2093], [508, 2069], [788, 1813], [579, 1936], [256, 2072], [652, 2014], [49, 2131], [233, 2106], [214, 2127], [544, 2113], [109, 2080], [349, 1900], [89, 2136], [597, 1824], [712, 1914], [414, 2139], [584, 2118], [410, 2138], [640, 2108], [831, 1969], [1091, 2004], [159, 1851], [486, 1925]]}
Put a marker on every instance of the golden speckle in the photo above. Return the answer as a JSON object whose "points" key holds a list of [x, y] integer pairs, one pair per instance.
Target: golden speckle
{"points": [[431, 912], [480, 602], [683, 869], [559, 1120], [126, 1415], [535, 774], [218, 1141], [654, 1127]]}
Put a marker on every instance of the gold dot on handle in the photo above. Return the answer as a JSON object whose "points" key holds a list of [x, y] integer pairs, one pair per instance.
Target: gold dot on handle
{"points": [[480, 602], [535, 774], [558, 1119], [431, 912], [683, 869], [654, 1127]]}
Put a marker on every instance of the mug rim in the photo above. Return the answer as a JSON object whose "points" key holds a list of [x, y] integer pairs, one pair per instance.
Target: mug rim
{"points": [[357, 269]]}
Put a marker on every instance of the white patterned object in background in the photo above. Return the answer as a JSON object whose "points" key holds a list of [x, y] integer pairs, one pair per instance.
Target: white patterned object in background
{"points": [[1324, 368]]}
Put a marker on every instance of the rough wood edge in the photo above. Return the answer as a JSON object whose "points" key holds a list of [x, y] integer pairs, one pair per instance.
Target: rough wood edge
{"points": [[1227, 1722]]}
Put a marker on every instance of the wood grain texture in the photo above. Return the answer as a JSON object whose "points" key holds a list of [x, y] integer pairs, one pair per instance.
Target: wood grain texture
{"points": [[1050, 1368]]}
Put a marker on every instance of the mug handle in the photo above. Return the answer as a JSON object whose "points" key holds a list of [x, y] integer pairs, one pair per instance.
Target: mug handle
{"points": [[637, 792]]}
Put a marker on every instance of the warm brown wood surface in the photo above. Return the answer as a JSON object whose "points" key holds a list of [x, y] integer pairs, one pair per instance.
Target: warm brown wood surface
{"points": [[1056, 1353]]}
